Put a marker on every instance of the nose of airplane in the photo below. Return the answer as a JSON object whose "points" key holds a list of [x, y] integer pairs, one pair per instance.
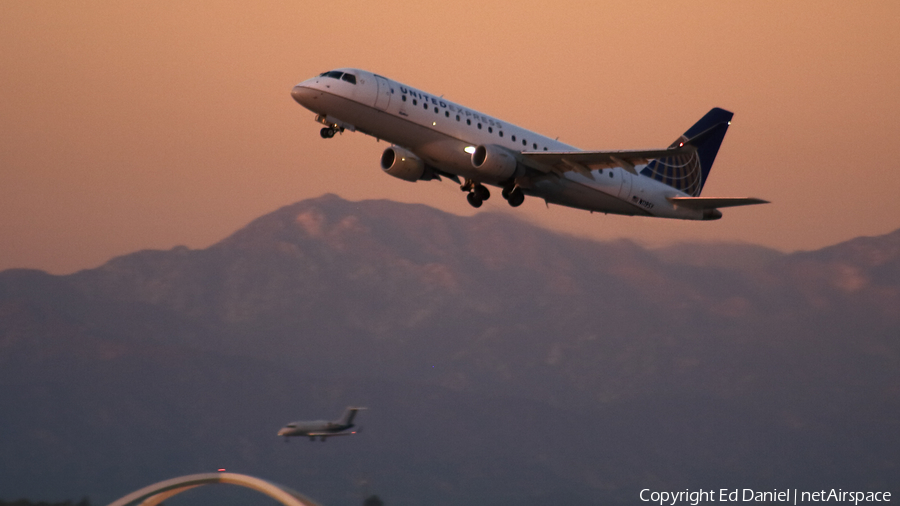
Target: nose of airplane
{"points": [[297, 92], [303, 94]]}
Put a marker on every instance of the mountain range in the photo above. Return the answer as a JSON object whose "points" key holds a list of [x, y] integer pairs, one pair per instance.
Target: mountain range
{"points": [[501, 363]]}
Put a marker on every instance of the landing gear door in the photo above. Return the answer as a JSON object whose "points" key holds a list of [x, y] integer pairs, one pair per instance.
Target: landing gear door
{"points": [[383, 98]]}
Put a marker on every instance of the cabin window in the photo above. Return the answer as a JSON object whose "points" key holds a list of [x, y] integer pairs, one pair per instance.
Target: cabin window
{"points": [[545, 148], [435, 110], [425, 105], [534, 145], [490, 130], [468, 122], [524, 142], [514, 138], [415, 102], [479, 126], [501, 133], [457, 117], [350, 78], [404, 98], [446, 114], [610, 173]]}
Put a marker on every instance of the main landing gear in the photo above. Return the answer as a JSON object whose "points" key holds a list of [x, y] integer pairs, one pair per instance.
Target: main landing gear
{"points": [[478, 193], [513, 195]]}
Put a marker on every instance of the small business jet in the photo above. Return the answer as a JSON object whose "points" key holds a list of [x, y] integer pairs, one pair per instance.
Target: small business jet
{"points": [[322, 428], [434, 138]]}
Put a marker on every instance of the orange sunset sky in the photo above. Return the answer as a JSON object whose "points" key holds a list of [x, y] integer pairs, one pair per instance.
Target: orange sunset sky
{"points": [[134, 125]]}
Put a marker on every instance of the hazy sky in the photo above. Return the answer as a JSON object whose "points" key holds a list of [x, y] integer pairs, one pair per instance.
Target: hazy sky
{"points": [[134, 125]]}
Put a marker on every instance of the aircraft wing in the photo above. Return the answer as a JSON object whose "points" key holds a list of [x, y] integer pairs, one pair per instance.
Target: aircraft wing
{"points": [[329, 434], [586, 161], [713, 202]]}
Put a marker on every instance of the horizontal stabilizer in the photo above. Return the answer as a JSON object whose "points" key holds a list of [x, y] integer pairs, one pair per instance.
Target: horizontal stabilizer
{"points": [[714, 203]]}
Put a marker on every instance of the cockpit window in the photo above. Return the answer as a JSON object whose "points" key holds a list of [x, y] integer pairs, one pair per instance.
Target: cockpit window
{"points": [[334, 73], [350, 78]]}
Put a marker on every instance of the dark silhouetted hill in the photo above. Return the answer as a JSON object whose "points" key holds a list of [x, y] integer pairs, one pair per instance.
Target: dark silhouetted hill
{"points": [[502, 363]]}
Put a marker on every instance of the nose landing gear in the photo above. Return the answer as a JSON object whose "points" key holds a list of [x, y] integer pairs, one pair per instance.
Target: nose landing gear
{"points": [[332, 126]]}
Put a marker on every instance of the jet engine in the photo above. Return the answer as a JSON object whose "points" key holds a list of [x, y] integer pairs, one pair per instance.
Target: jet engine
{"points": [[494, 162], [401, 163]]}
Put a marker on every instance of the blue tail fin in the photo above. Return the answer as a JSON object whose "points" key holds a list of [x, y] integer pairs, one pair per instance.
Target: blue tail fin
{"points": [[687, 172]]}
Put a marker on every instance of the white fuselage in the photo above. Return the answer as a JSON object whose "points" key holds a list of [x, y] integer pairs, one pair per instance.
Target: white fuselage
{"points": [[443, 134]]}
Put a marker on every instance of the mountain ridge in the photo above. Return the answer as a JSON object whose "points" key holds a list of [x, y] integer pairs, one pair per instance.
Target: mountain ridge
{"points": [[469, 336]]}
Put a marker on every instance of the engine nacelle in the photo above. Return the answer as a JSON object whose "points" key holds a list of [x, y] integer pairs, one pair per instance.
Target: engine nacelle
{"points": [[494, 162], [402, 164]]}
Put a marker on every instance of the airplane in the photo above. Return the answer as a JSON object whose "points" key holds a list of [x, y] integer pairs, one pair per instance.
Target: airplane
{"points": [[433, 138], [322, 428]]}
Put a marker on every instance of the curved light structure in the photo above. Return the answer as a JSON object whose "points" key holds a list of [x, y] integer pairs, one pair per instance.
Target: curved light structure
{"points": [[159, 492]]}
